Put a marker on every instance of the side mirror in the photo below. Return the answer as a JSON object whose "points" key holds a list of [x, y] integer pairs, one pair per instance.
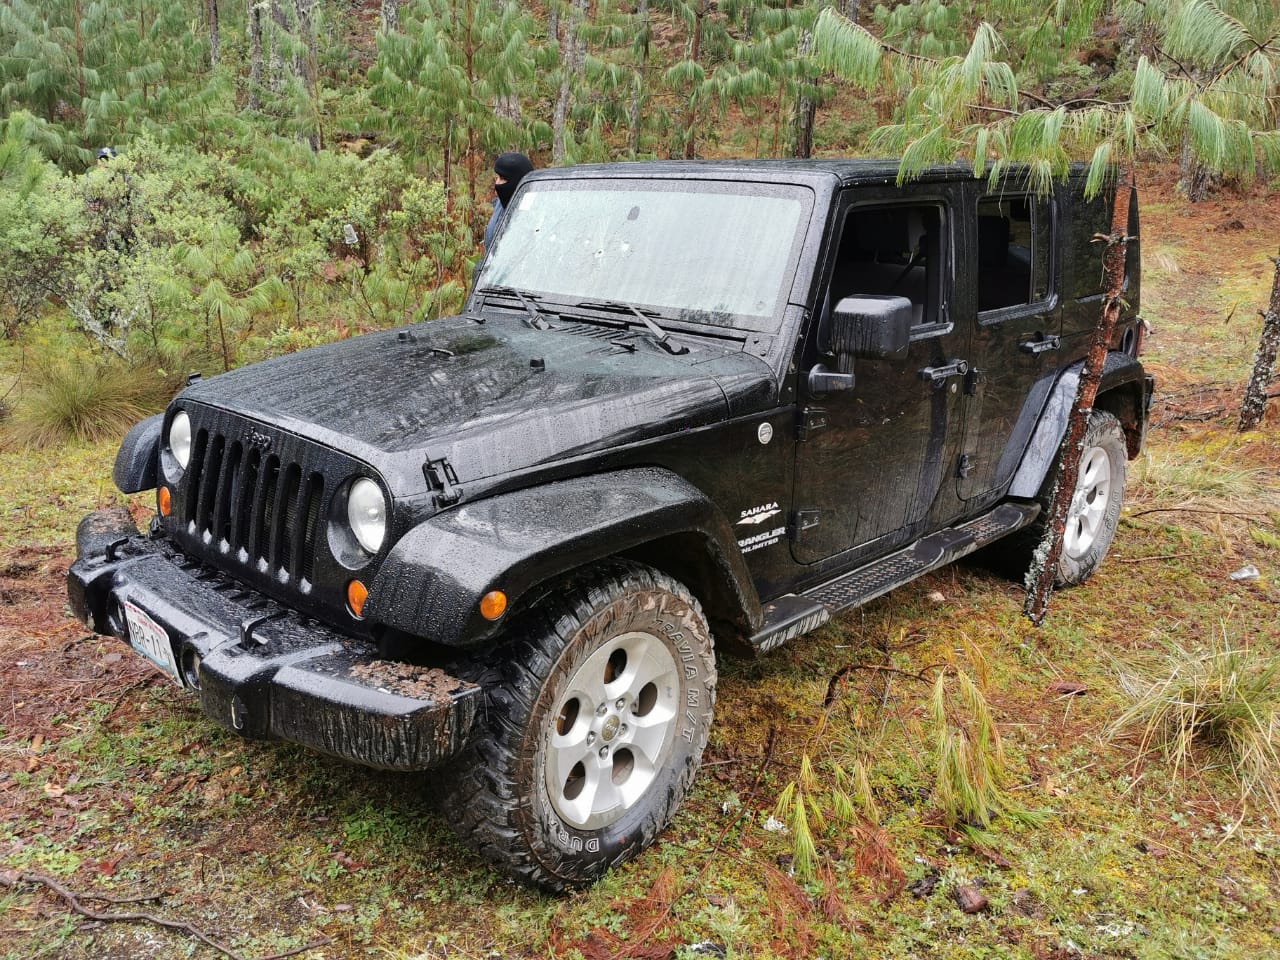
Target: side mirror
{"points": [[874, 327]]}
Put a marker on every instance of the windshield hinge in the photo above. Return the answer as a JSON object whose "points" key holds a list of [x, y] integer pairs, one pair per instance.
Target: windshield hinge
{"points": [[442, 479], [812, 420]]}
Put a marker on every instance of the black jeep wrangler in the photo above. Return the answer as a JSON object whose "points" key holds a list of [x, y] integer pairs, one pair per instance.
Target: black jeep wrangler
{"points": [[683, 402]]}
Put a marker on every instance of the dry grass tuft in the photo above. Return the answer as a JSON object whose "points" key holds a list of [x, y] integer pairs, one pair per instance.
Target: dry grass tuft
{"points": [[68, 398], [1224, 700]]}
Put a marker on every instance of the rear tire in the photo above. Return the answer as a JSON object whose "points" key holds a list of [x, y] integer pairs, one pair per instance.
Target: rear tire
{"points": [[1094, 514], [598, 712]]}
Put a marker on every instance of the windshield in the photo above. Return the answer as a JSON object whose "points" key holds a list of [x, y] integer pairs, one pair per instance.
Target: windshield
{"points": [[703, 252]]}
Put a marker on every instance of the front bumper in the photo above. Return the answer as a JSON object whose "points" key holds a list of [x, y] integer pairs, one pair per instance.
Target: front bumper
{"points": [[261, 669]]}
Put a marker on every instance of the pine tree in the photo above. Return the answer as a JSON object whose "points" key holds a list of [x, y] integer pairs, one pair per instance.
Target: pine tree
{"points": [[440, 79], [689, 79], [972, 105]]}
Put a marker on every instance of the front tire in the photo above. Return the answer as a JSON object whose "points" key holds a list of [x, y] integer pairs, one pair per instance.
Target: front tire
{"points": [[598, 712]]}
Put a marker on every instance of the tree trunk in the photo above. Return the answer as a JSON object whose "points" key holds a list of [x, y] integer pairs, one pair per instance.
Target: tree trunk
{"points": [[255, 53], [279, 25], [637, 93], [307, 63], [508, 107], [1044, 566], [1264, 360], [78, 14], [806, 108], [695, 51], [303, 10], [448, 169], [215, 41], [570, 65], [806, 112], [389, 14], [1194, 178]]}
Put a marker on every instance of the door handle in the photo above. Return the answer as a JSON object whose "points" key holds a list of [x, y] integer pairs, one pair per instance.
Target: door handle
{"points": [[1050, 341], [954, 368]]}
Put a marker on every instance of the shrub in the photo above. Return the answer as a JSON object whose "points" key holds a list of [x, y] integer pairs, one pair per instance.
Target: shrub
{"points": [[1222, 702], [88, 399]]}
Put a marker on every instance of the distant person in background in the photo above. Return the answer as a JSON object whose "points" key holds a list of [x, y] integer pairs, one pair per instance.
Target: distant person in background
{"points": [[508, 170]]}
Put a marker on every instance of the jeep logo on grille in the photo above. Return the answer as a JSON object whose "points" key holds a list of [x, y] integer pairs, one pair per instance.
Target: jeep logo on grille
{"points": [[259, 440]]}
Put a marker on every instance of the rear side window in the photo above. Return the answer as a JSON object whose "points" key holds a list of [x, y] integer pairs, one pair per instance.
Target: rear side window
{"points": [[1014, 235]]}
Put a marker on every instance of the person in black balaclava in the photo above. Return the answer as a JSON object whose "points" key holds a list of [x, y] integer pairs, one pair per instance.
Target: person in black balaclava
{"points": [[508, 170]]}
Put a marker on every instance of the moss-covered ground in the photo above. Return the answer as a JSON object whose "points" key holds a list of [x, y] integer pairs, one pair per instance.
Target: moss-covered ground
{"points": [[112, 783]]}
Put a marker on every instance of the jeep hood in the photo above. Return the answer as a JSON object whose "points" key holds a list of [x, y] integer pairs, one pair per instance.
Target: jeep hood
{"points": [[493, 397]]}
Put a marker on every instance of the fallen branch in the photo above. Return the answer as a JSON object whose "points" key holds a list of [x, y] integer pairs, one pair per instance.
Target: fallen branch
{"points": [[1163, 556], [119, 901], [1219, 513], [879, 668], [13, 878]]}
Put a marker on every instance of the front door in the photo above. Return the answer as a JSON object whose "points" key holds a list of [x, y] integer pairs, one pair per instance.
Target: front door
{"points": [[872, 459]]}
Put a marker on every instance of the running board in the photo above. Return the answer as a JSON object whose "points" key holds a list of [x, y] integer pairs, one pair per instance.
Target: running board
{"points": [[792, 615]]}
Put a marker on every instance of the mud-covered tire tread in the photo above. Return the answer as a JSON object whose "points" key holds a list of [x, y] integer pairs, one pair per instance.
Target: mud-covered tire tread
{"points": [[478, 791], [1012, 556]]}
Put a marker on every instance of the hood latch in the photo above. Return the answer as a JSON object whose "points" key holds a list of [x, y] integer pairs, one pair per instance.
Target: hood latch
{"points": [[442, 479]]}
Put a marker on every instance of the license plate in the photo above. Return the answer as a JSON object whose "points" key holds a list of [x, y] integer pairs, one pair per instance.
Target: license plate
{"points": [[151, 640]]}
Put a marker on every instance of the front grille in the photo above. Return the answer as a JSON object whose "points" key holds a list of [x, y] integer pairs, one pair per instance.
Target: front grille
{"points": [[255, 506]]}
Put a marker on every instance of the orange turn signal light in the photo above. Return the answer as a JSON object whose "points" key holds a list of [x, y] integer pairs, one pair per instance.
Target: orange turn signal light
{"points": [[357, 593], [493, 604], [165, 501]]}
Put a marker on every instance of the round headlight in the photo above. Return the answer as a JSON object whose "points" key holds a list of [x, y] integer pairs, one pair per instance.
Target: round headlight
{"points": [[180, 438], [367, 514]]}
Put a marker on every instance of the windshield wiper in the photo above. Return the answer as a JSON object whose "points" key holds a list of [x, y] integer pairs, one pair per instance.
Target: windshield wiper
{"points": [[662, 337], [530, 306]]}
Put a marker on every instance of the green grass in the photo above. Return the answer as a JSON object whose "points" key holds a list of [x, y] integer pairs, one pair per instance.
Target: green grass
{"points": [[1212, 702]]}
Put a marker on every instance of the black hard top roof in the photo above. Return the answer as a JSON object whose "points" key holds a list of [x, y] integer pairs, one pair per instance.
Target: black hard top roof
{"points": [[824, 173]]}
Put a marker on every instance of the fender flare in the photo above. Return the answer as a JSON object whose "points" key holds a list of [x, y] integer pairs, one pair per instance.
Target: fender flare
{"points": [[431, 583], [135, 467], [1124, 384]]}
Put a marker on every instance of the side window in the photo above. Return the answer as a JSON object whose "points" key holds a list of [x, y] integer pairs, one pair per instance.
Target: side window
{"points": [[898, 250], [1013, 251]]}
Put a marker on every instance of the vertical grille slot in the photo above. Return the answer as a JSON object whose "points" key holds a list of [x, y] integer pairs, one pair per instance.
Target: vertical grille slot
{"points": [[242, 516], [228, 483], [209, 487], [282, 519], [264, 510], [194, 472], [309, 514]]}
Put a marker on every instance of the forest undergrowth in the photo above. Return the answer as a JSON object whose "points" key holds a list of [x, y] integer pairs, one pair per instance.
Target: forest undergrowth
{"points": [[831, 817]]}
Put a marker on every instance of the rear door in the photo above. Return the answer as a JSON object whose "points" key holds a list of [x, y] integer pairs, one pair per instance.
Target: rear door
{"points": [[1016, 320]]}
